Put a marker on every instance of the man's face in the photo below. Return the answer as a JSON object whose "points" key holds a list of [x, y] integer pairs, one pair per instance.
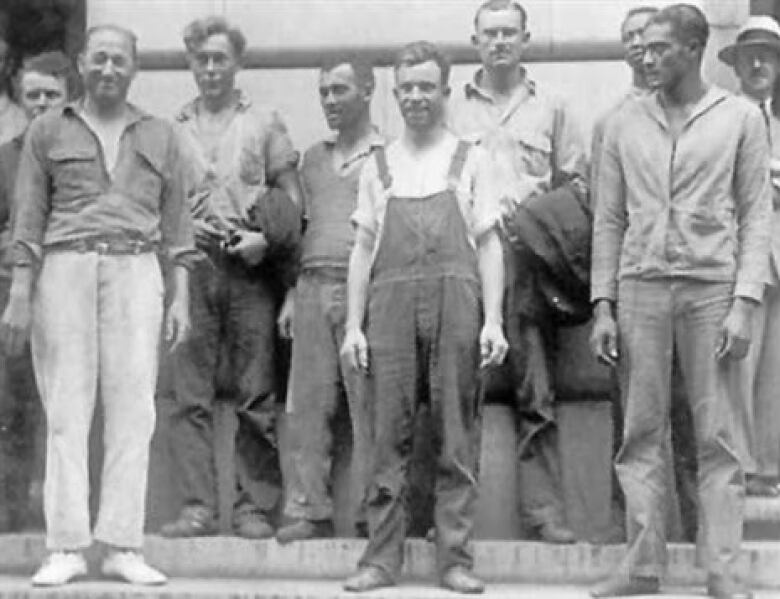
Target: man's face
{"points": [[214, 64], [421, 95], [40, 92], [500, 38], [631, 34], [666, 59], [343, 101], [107, 67], [757, 68]]}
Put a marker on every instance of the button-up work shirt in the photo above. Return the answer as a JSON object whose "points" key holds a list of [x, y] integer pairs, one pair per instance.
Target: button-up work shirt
{"points": [[696, 207], [64, 193], [9, 163], [532, 140], [330, 197], [253, 149]]}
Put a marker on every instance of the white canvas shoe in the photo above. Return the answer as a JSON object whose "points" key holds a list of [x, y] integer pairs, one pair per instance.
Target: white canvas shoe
{"points": [[60, 568], [131, 567]]}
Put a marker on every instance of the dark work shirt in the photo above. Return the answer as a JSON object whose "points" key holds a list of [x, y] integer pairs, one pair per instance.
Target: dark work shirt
{"points": [[9, 162]]}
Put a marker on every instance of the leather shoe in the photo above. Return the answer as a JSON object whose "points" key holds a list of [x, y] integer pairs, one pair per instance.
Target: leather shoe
{"points": [[554, 532], [723, 587], [193, 521], [368, 578], [461, 580], [60, 567], [304, 529], [755, 486], [252, 525], [620, 586]]}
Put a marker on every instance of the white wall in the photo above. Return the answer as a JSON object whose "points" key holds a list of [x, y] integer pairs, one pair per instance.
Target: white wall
{"points": [[591, 87]]}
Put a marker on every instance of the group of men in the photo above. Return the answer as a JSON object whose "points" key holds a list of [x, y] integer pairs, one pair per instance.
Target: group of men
{"points": [[396, 268]]}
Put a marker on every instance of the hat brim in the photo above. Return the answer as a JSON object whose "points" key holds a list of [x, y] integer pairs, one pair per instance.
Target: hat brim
{"points": [[729, 53]]}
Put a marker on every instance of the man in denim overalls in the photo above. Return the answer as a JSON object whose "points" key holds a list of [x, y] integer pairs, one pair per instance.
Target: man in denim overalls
{"points": [[425, 273]]}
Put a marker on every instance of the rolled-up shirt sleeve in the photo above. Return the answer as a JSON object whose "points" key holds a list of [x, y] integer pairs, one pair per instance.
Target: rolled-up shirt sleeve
{"points": [[365, 214], [569, 158], [486, 192], [31, 198], [178, 243], [610, 220], [753, 198]]}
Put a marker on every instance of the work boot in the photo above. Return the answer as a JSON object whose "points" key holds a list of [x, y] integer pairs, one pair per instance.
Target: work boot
{"points": [[252, 525], [304, 529], [461, 580], [129, 566], [622, 586], [555, 532], [725, 587], [368, 578], [193, 521], [60, 567]]}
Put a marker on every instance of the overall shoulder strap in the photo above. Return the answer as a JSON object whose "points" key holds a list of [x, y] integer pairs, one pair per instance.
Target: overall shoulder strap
{"points": [[457, 163], [381, 166]]}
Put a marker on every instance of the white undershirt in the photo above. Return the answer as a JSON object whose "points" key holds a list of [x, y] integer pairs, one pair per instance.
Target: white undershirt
{"points": [[108, 133]]}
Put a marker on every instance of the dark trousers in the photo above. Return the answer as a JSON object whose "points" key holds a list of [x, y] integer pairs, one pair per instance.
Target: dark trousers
{"points": [[229, 357], [20, 428], [423, 336]]}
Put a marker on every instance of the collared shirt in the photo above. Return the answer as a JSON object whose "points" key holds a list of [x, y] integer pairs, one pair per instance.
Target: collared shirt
{"points": [[9, 163], [533, 137], [424, 174], [13, 121], [330, 197], [227, 177], [695, 207], [63, 192]]}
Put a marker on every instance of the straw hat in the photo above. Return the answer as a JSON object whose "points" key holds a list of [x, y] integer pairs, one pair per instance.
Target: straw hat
{"points": [[760, 30]]}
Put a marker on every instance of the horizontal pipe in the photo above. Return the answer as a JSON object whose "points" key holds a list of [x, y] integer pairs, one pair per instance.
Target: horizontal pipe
{"points": [[313, 56]]}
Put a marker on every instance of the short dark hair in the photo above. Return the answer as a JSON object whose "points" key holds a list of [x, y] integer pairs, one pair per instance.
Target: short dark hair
{"points": [[129, 35], [496, 5], [640, 10], [362, 67], [420, 52], [53, 64], [688, 23], [199, 30]]}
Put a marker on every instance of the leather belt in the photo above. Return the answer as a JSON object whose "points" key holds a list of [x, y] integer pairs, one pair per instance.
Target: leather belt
{"points": [[103, 246]]}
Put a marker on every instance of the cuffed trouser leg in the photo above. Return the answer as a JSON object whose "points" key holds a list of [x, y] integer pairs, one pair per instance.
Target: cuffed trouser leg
{"points": [[131, 306], [64, 341]]}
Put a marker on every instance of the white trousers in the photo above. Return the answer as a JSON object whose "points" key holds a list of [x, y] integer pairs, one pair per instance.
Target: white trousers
{"points": [[96, 330]]}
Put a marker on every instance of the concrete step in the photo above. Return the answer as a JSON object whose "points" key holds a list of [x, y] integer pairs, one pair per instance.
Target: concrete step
{"points": [[497, 561], [19, 588]]}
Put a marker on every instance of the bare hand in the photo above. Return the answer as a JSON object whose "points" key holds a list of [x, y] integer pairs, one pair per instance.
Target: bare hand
{"points": [[735, 336], [492, 345], [206, 235], [603, 338], [177, 324], [355, 349], [287, 317], [15, 325], [251, 247]]}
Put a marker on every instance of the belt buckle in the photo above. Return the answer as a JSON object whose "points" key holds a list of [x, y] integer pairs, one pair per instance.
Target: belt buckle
{"points": [[102, 247], [136, 246]]}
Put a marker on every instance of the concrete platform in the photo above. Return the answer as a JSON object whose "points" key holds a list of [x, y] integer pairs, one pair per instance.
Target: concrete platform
{"points": [[19, 588], [514, 562]]}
